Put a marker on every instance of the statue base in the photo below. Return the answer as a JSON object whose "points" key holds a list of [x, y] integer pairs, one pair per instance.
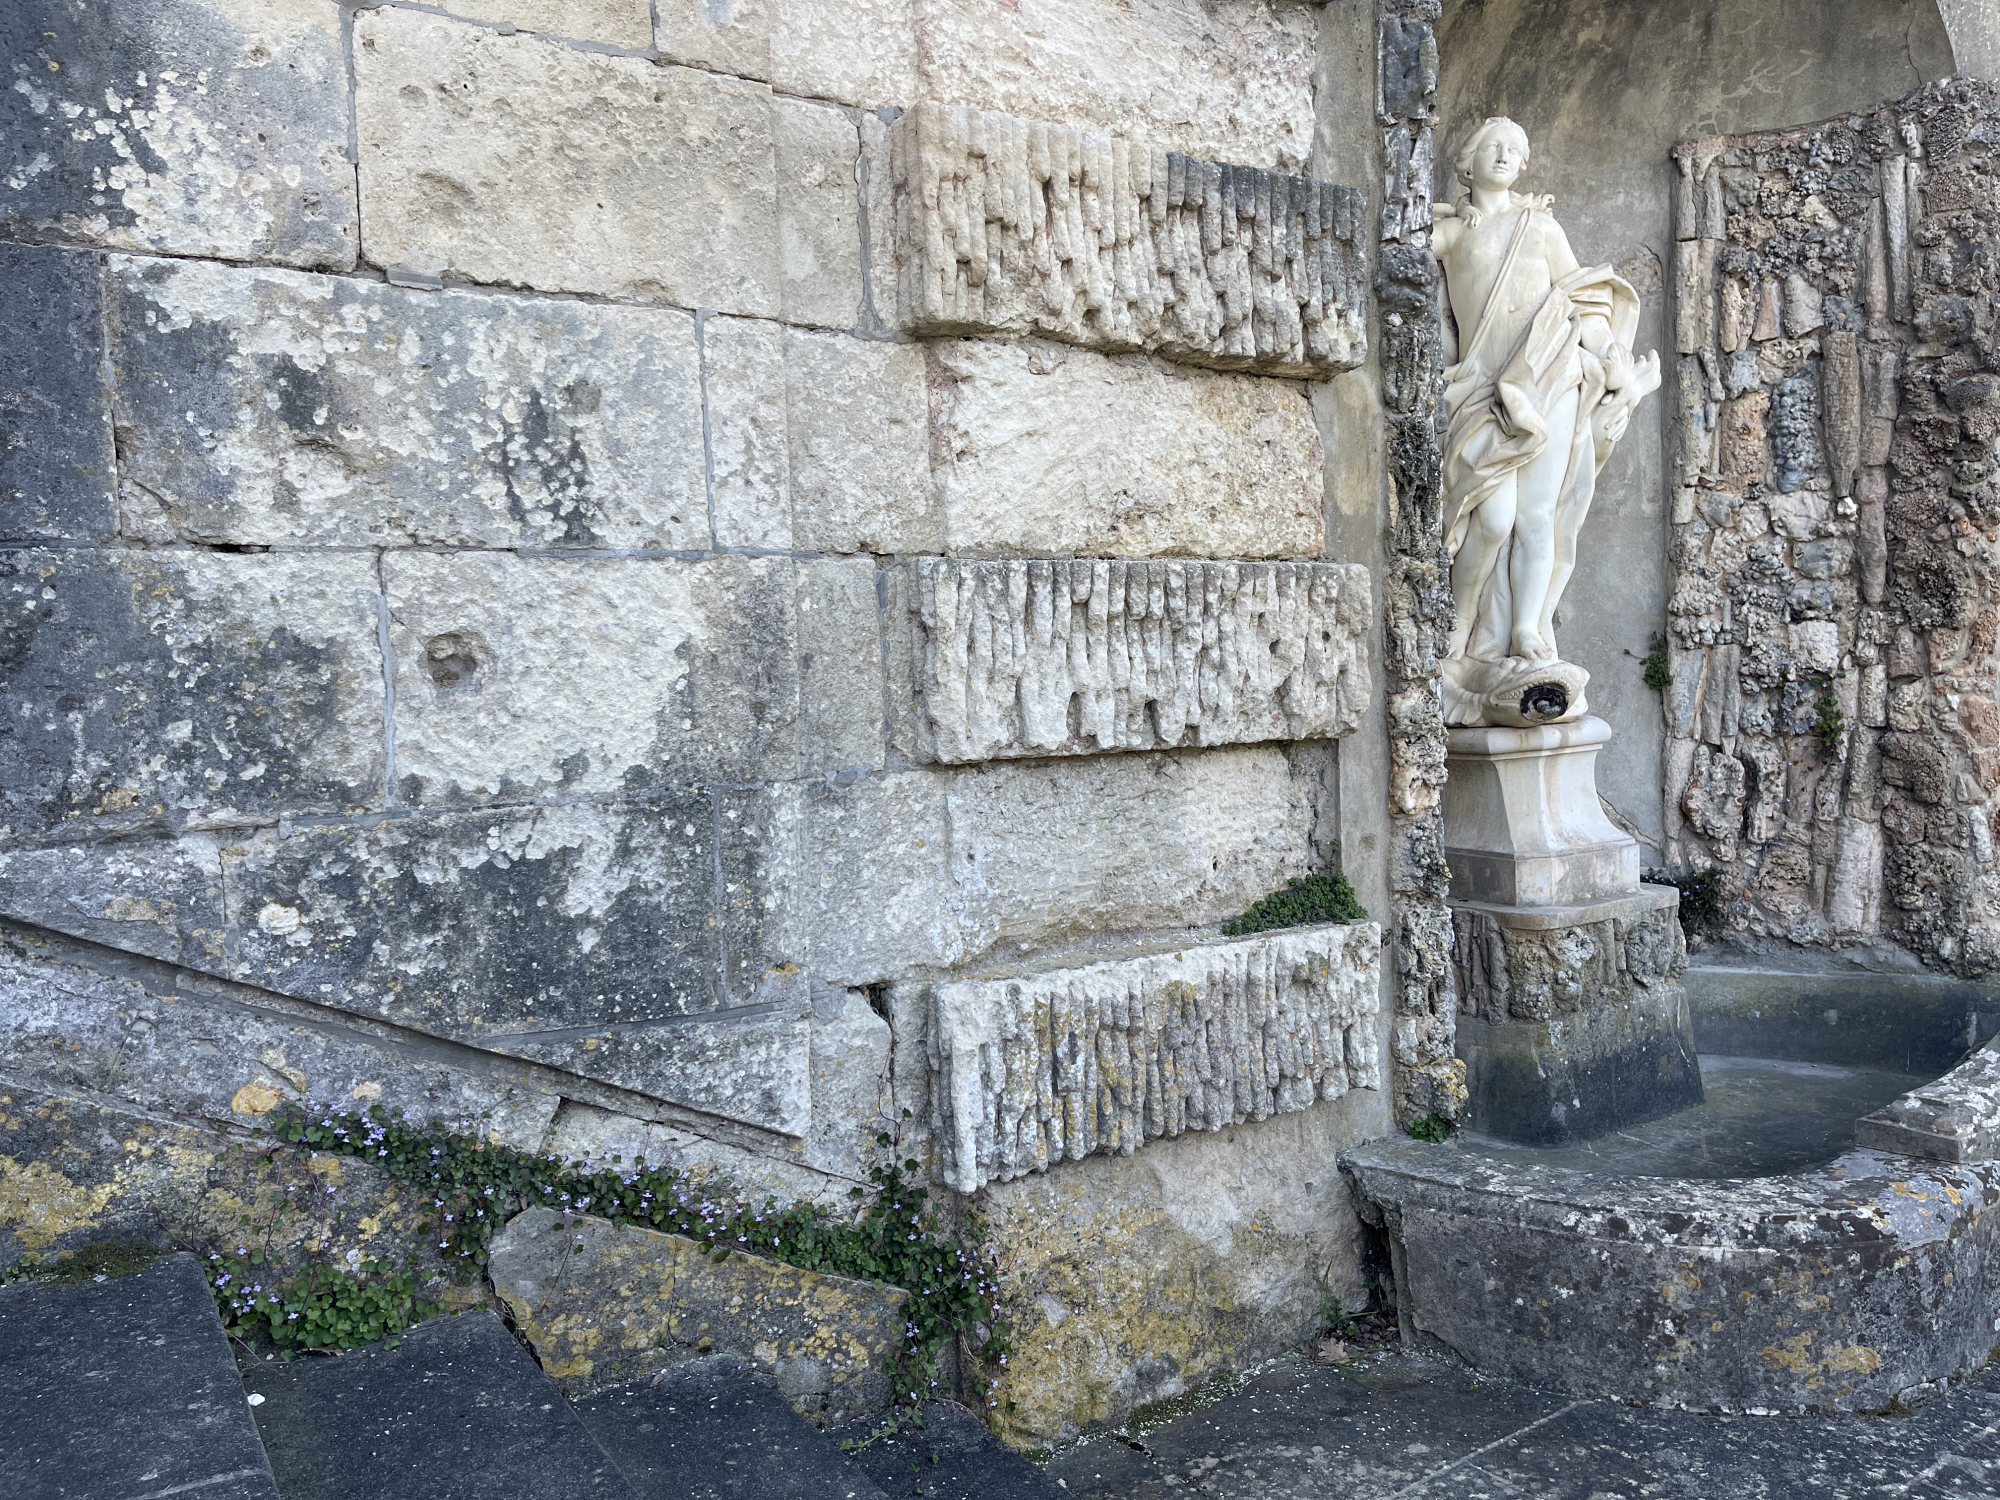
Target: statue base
{"points": [[1573, 1019], [1522, 823], [1513, 693]]}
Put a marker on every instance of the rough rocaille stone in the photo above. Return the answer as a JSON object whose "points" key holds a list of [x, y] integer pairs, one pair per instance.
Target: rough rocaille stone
{"points": [[1007, 225], [1043, 449], [1059, 657], [271, 407], [182, 127], [1062, 1064]]}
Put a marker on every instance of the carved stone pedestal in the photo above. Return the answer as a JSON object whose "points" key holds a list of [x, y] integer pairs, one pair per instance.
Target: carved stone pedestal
{"points": [[1573, 1020]]}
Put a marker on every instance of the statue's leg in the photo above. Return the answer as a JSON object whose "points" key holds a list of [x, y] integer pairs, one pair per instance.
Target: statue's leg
{"points": [[1531, 561], [1473, 566]]}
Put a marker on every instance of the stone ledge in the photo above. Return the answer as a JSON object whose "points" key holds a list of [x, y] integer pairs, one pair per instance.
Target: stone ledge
{"points": [[605, 1305], [1059, 657], [1006, 225], [1070, 1062], [1844, 1288], [1955, 1119]]}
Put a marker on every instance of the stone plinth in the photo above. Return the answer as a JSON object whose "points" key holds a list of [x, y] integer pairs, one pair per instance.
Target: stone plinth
{"points": [[1522, 822], [1573, 1020]]}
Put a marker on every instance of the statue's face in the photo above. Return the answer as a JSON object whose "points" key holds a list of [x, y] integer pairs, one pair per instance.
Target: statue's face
{"points": [[1497, 160]]}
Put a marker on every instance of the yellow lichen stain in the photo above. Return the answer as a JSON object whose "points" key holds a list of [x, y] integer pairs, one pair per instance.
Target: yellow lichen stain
{"points": [[368, 1090], [137, 909], [257, 1097], [1954, 1194], [41, 1205], [1904, 1190], [1792, 1356]]}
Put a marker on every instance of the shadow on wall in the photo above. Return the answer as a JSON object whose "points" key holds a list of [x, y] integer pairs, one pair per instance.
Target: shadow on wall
{"points": [[1605, 89]]}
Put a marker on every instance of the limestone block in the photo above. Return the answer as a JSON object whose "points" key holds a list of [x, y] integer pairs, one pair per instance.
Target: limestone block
{"points": [[1015, 226], [859, 445], [75, 1019], [1045, 449], [157, 896], [841, 687], [57, 472], [487, 923], [820, 440], [605, 1305], [270, 407], [937, 868], [819, 230], [859, 52], [733, 38], [1132, 1280], [620, 23], [180, 127], [505, 666], [1955, 1118], [1242, 73], [1059, 657], [668, 175], [1063, 1064], [604, 1137], [153, 689], [851, 1101]]}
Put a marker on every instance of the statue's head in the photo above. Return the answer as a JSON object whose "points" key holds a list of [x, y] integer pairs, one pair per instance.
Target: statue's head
{"points": [[1495, 155]]}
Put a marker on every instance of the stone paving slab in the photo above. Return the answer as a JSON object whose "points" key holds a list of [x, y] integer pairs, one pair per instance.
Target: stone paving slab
{"points": [[457, 1410], [1400, 1427], [952, 1456], [713, 1430], [124, 1390]]}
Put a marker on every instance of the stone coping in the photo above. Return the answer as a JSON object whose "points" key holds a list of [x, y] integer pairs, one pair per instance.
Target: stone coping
{"points": [[1868, 1280], [1647, 898]]}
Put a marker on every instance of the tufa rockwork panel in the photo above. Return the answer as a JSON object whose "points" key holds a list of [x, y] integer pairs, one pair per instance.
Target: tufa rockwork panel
{"points": [[1060, 1065], [1013, 226], [1074, 657]]}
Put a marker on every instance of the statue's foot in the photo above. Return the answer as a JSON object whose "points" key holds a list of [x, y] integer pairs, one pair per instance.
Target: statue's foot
{"points": [[1529, 646]]}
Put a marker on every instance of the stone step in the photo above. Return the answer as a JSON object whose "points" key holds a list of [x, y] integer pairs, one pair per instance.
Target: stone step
{"points": [[713, 1429], [124, 1390], [457, 1410], [951, 1456]]}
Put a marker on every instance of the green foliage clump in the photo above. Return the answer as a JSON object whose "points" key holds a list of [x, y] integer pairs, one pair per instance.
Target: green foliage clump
{"points": [[1309, 898], [98, 1262], [323, 1307], [1701, 898], [475, 1186], [25, 1269], [1659, 676], [1829, 723], [1435, 1129]]}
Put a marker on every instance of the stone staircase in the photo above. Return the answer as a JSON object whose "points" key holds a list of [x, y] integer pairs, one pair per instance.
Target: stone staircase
{"points": [[127, 1389]]}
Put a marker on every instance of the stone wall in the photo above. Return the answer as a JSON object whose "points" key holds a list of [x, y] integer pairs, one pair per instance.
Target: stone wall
{"points": [[512, 576], [1835, 745]]}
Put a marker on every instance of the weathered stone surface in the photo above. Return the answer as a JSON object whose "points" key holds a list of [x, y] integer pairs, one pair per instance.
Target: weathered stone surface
{"points": [[852, 1101], [56, 464], [1573, 1021], [669, 174], [1243, 73], [124, 1388], [929, 868], [503, 664], [1062, 1064], [1015, 226], [1045, 449], [1839, 1289], [1058, 657], [821, 441], [842, 707], [1130, 1280], [185, 127], [584, 1132], [1955, 1119], [620, 23], [267, 407], [162, 1039], [454, 1409], [160, 689], [605, 1305], [819, 233]]}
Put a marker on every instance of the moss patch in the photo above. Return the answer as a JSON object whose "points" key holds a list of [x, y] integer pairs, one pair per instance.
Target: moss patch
{"points": [[1306, 900]]}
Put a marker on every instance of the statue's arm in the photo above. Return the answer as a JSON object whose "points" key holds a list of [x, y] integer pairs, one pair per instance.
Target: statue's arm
{"points": [[1595, 334]]}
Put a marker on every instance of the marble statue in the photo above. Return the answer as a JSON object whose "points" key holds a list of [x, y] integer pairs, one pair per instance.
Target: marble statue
{"points": [[1542, 384]]}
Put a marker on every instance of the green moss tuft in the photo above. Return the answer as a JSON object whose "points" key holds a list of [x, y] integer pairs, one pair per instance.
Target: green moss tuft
{"points": [[1308, 899], [1435, 1129]]}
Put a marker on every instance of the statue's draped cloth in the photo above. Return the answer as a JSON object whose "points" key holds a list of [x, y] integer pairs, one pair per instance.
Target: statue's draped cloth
{"points": [[1500, 403]]}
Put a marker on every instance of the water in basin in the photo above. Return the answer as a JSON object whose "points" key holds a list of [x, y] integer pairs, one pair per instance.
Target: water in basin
{"points": [[1762, 1117]]}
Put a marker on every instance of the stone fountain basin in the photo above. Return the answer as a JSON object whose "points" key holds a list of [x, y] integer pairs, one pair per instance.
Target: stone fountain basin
{"points": [[1849, 1285]]}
